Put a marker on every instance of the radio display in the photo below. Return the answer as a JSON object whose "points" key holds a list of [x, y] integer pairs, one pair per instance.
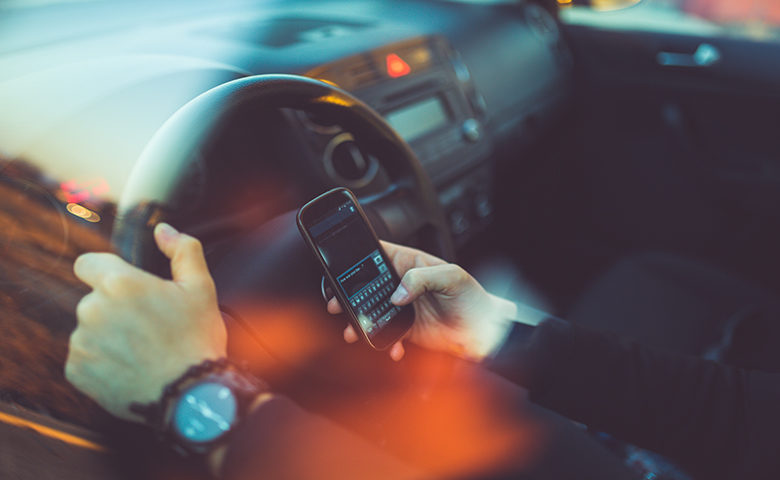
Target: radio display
{"points": [[417, 119]]}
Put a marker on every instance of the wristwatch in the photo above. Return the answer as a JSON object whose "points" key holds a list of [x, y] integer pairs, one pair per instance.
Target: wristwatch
{"points": [[198, 411]]}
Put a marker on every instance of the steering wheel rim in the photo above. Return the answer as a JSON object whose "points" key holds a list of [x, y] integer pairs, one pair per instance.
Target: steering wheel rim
{"points": [[154, 182], [150, 194]]}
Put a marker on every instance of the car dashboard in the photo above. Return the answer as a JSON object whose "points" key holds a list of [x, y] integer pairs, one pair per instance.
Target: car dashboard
{"points": [[453, 91], [454, 79]]}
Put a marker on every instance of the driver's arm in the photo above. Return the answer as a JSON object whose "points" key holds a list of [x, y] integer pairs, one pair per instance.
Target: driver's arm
{"points": [[138, 333], [713, 419], [717, 421]]}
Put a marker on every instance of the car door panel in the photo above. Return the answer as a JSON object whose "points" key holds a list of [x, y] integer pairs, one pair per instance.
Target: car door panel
{"points": [[682, 158]]}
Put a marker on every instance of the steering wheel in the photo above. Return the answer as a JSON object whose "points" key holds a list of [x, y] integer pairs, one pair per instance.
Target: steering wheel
{"points": [[271, 264], [260, 264], [409, 209]]}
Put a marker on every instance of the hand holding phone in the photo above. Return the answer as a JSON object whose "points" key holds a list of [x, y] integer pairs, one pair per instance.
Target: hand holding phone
{"points": [[453, 313], [357, 267]]}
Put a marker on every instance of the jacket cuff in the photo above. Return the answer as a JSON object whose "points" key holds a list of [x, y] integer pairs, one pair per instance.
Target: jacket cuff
{"points": [[530, 354]]}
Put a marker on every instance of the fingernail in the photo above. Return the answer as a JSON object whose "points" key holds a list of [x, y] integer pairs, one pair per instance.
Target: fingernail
{"points": [[397, 353], [400, 294], [166, 231]]}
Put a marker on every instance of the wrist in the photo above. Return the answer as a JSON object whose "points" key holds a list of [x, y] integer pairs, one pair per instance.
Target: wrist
{"points": [[494, 328], [505, 311]]}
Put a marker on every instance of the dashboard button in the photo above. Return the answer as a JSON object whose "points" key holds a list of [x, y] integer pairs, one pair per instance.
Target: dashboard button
{"points": [[459, 222], [483, 206], [478, 102], [471, 131]]}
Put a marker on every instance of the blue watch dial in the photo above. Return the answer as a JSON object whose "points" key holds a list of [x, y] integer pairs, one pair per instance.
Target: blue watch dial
{"points": [[204, 412]]}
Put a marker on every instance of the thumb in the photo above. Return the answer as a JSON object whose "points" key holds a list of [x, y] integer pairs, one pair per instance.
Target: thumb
{"points": [[188, 265], [444, 279]]}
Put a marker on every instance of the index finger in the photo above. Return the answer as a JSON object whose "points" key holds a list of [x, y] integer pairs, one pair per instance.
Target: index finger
{"points": [[405, 258], [92, 268]]}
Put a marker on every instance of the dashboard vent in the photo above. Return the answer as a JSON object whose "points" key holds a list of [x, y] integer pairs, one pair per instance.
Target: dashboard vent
{"points": [[363, 73], [351, 73]]}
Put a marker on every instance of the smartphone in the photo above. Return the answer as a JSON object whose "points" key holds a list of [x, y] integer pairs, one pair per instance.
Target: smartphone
{"points": [[362, 276]]}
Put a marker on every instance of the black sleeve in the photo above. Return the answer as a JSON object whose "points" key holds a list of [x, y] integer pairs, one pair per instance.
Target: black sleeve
{"points": [[280, 440], [716, 421]]}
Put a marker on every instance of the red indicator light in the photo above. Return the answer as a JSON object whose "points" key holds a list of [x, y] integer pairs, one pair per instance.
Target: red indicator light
{"points": [[396, 67], [77, 192]]}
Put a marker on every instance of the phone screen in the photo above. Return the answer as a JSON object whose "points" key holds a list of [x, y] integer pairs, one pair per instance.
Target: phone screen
{"points": [[360, 269]]}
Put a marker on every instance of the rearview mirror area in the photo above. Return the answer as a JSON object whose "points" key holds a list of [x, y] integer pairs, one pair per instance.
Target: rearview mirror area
{"points": [[600, 5]]}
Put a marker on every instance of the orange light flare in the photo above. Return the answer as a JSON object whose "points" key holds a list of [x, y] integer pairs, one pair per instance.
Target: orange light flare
{"points": [[451, 418], [444, 416], [283, 336]]}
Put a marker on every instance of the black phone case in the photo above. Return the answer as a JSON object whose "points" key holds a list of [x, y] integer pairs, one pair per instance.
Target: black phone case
{"points": [[329, 276]]}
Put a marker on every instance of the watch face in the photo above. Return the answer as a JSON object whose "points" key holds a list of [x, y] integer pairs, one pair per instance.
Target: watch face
{"points": [[205, 412]]}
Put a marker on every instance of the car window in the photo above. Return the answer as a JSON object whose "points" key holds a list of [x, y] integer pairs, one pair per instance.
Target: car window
{"points": [[65, 155], [751, 19]]}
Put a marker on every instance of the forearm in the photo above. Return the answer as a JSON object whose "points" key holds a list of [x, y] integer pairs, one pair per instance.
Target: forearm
{"points": [[280, 440], [692, 410]]}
